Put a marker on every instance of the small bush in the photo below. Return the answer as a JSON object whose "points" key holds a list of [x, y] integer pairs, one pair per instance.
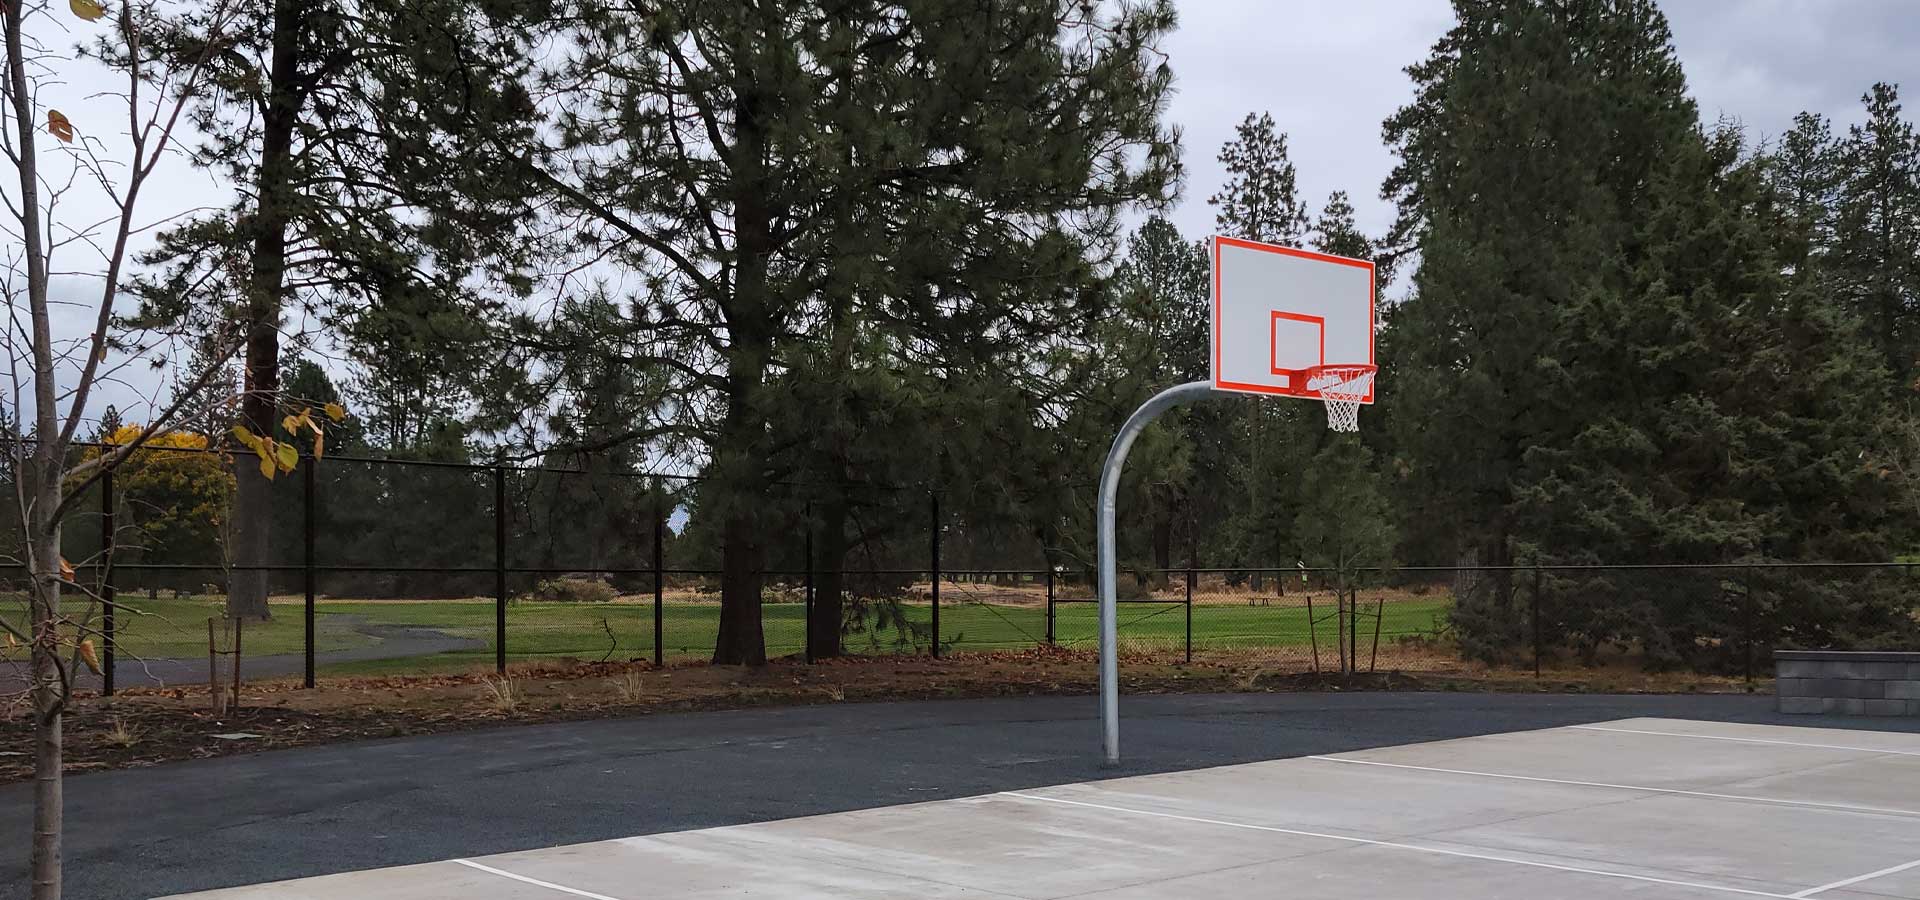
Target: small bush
{"points": [[629, 686], [504, 692], [572, 590]]}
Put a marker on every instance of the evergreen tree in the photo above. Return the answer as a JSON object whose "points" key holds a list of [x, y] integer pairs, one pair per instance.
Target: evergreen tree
{"points": [[1344, 525], [361, 183], [779, 166], [1261, 199], [1607, 356], [1875, 254], [1272, 441], [1336, 232]]}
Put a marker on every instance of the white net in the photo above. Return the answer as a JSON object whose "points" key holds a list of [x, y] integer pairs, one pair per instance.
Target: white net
{"points": [[1342, 388]]}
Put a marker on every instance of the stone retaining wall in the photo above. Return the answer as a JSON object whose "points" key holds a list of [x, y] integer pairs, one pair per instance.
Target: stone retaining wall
{"points": [[1868, 683]]}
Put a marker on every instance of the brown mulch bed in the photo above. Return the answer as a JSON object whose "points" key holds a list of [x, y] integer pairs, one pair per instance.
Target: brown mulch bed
{"points": [[143, 727]]}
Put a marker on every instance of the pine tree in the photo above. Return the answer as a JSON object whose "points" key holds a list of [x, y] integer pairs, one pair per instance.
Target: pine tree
{"points": [[1261, 199], [1875, 253], [1336, 232], [1273, 441], [782, 166], [1606, 357], [364, 182]]}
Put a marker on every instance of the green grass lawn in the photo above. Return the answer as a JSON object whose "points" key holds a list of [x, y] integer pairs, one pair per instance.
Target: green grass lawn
{"points": [[551, 630], [168, 628], [591, 631]]}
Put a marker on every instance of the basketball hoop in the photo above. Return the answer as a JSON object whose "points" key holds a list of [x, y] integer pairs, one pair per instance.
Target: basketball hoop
{"points": [[1341, 388]]}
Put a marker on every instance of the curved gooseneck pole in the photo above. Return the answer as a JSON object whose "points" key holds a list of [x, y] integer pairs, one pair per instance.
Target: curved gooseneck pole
{"points": [[1109, 568]]}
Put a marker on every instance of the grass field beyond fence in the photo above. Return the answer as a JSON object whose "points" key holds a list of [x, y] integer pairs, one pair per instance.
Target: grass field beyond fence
{"points": [[622, 630]]}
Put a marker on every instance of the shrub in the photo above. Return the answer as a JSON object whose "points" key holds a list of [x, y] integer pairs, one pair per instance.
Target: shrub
{"points": [[572, 590]]}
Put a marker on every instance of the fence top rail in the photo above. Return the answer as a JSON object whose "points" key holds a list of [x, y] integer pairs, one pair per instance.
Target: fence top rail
{"points": [[519, 465], [949, 574]]}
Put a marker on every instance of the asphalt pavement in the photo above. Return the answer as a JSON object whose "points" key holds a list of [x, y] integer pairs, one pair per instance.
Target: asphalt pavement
{"points": [[283, 814]]}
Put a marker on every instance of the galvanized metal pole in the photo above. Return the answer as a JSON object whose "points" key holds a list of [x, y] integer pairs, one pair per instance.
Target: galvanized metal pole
{"points": [[1109, 565]]}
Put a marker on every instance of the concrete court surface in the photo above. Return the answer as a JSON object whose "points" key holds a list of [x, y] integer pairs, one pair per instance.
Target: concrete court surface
{"points": [[1649, 808]]}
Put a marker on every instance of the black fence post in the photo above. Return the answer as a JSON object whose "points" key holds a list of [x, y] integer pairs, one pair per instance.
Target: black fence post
{"points": [[1050, 639], [1189, 611], [806, 634], [1313, 633], [1747, 626], [106, 583], [933, 498], [307, 564], [500, 570], [1536, 619], [659, 578]]}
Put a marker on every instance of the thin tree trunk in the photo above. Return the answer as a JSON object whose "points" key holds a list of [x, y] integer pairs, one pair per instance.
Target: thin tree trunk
{"points": [[259, 405], [1163, 501], [49, 689]]}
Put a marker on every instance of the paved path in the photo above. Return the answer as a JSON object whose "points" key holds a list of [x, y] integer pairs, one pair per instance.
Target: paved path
{"points": [[283, 814]]}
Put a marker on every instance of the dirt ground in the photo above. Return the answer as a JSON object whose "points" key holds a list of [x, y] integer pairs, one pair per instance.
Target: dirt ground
{"points": [[143, 727]]}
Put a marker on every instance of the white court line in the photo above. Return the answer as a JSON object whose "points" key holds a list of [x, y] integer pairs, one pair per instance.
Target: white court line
{"points": [[1857, 879], [1414, 847], [1843, 807], [534, 881], [1741, 740]]}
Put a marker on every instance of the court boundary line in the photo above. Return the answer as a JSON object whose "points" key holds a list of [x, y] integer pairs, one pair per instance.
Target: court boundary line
{"points": [[1846, 882], [1781, 801], [1395, 845], [1741, 740], [533, 881]]}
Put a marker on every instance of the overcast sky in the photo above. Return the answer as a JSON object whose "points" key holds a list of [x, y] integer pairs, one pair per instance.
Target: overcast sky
{"points": [[1330, 72]]}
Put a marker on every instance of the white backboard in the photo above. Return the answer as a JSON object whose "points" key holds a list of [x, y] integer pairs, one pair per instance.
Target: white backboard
{"points": [[1277, 310]]}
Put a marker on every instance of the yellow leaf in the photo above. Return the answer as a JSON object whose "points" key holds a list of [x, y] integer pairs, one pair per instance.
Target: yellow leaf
{"points": [[59, 126], [336, 412], [319, 444], [291, 423], [11, 643], [87, 656], [87, 9], [246, 437], [287, 456], [66, 569], [267, 468]]}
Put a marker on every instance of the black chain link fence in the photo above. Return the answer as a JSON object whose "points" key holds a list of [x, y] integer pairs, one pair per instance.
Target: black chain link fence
{"points": [[385, 567]]}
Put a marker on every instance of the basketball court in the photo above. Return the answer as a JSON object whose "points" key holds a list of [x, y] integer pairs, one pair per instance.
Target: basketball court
{"points": [[1655, 808]]}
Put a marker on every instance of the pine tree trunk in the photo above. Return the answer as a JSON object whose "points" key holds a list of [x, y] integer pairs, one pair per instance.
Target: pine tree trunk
{"points": [[742, 639], [824, 621], [1163, 499], [253, 499], [741, 480]]}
